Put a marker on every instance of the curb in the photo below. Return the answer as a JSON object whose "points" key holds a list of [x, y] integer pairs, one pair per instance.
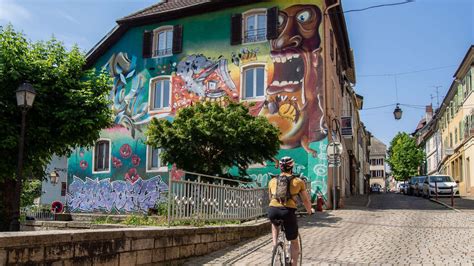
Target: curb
{"points": [[444, 204], [368, 202]]}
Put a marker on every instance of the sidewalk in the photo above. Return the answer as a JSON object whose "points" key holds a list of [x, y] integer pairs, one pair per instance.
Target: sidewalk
{"points": [[462, 204], [356, 202]]}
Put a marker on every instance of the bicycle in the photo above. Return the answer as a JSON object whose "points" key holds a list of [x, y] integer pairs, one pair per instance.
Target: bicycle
{"points": [[281, 254]]}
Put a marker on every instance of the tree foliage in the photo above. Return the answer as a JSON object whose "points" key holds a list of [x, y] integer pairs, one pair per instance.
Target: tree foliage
{"points": [[404, 157], [208, 138], [31, 190], [70, 108]]}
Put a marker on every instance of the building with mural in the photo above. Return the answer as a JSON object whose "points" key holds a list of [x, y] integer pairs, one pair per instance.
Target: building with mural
{"points": [[291, 59]]}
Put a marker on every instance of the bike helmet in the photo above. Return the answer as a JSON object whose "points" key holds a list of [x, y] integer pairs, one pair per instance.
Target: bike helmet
{"points": [[286, 164]]}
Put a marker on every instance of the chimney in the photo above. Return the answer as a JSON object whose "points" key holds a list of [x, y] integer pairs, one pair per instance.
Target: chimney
{"points": [[429, 113]]}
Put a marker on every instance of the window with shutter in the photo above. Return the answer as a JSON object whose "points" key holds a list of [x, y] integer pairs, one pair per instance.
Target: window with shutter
{"points": [[272, 23], [101, 156], [163, 41], [177, 39], [255, 26]]}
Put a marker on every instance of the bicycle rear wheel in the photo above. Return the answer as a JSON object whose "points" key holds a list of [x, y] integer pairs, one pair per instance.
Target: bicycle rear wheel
{"points": [[278, 255]]}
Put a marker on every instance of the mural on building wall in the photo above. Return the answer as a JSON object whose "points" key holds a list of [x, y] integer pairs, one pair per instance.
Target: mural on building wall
{"points": [[295, 95], [294, 102], [120, 196]]}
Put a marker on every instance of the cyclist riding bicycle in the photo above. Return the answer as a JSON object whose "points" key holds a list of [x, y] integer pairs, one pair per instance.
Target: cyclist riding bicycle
{"points": [[283, 190]]}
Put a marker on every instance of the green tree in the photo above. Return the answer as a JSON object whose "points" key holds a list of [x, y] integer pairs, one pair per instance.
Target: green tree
{"points": [[208, 138], [404, 157], [31, 190], [70, 108]]}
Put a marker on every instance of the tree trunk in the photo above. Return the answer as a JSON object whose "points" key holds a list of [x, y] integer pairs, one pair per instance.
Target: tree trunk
{"points": [[7, 190]]}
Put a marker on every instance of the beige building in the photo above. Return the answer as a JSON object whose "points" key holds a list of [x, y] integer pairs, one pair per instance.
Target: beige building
{"points": [[378, 154], [456, 125]]}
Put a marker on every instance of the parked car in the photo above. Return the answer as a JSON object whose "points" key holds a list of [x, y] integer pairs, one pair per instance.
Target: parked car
{"points": [[419, 187], [412, 184], [443, 183], [375, 188], [403, 188]]}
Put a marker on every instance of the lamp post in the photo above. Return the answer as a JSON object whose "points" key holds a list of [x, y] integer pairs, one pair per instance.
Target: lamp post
{"points": [[25, 96], [397, 113]]}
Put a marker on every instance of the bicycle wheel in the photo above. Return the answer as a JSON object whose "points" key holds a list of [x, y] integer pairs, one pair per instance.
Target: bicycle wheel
{"points": [[278, 255], [300, 255]]}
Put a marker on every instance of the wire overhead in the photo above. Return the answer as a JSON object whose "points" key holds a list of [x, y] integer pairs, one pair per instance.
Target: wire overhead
{"points": [[377, 6]]}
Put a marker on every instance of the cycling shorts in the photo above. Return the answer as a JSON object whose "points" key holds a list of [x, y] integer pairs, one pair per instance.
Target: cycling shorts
{"points": [[288, 216]]}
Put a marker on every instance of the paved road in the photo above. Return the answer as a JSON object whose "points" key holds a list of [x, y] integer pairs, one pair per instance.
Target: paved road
{"points": [[395, 229]]}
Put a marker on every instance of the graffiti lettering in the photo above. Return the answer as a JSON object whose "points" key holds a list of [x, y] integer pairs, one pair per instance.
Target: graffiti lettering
{"points": [[120, 196]]}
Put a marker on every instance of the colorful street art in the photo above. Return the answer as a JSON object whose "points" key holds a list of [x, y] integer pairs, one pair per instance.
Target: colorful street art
{"points": [[208, 69], [93, 195]]}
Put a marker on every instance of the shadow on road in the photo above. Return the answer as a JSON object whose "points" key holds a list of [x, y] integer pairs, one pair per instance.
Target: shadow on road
{"points": [[320, 219], [393, 201]]}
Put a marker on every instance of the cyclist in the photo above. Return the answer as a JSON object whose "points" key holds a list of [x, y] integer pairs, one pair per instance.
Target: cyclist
{"points": [[284, 210]]}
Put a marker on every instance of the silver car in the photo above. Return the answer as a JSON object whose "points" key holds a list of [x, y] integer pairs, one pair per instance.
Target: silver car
{"points": [[443, 183]]}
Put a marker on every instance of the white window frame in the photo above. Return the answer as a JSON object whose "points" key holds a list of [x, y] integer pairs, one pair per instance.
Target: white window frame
{"points": [[242, 82], [110, 157], [249, 13], [156, 33], [151, 94], [149, 168]]}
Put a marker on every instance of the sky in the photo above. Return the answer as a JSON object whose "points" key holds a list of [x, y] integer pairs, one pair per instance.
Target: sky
{"points": [[402, 53]]}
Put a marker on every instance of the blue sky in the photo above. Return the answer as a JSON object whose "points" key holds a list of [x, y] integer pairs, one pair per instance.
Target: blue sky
{"points": [[425, 34]]}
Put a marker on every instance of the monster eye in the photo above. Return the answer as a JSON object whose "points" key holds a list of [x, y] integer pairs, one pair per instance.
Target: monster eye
{"points": [[281, 20], [303, 16]]}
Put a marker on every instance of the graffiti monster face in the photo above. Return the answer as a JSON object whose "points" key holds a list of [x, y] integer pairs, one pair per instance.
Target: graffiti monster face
{"points": [[294, 95]]}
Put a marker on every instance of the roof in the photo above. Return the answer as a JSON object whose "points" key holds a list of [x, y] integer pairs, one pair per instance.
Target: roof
{"points": [[163, 7], [466, 62], [377, 147]]}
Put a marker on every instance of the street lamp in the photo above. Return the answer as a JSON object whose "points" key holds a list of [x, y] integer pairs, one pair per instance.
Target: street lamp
{"points": [[54, 177], [25, 96], [397, 113]]}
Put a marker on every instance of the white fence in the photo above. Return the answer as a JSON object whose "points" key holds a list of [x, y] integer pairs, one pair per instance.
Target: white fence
{"points": [[214, 198], [44, 215]]}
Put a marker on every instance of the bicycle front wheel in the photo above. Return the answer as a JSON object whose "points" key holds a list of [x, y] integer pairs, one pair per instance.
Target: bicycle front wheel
{"points": [[278, 255]]}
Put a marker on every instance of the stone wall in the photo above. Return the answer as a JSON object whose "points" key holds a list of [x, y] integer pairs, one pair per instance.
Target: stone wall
{"points": [[65, 225], [130, 246]]}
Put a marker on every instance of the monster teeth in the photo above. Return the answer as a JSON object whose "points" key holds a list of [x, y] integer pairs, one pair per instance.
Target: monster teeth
{"points": [[276, 83], [296, 56], [277, 59], [283, 59]]}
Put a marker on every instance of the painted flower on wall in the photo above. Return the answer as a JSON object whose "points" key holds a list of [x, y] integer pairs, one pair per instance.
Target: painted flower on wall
{"points": [[83, 164], [132, 175], [117, 163], [125, 151], [81, 152], [176, 174], [135, 160]]}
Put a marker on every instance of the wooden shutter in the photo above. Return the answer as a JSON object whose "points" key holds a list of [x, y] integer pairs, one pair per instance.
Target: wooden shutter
{"points": [[107, 159], [177, 39], [272, 23], [236, 29], [147, 44], [96, 156]]}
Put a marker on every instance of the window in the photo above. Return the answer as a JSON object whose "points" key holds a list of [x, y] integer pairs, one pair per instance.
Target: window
{"points": [[253, 82], [255, 27], [163, 41], [455, 136], [63, 189], [154, 160], [101, 156], [450, 140], [160, 96]]}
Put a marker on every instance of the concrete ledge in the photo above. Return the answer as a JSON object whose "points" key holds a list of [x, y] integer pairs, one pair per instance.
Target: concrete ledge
{"points": [[124, 246]]}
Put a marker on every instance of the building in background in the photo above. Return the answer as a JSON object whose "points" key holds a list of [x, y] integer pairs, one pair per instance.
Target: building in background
{"points": [[448, 138], [55, 190], [377, 157], [291, 60]]}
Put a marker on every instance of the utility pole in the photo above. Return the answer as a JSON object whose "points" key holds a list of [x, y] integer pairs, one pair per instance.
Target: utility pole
{"points": [[437, 95]]}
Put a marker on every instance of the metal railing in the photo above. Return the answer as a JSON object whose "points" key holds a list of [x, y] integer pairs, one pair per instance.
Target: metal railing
{"points": [[162, 52], [255, 35], [214, 198], [44, 215]]}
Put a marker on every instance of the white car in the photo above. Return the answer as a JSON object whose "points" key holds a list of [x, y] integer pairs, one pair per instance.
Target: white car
{"points": [[443, 183]]}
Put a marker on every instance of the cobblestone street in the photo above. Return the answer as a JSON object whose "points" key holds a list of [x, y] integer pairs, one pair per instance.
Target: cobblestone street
{"points": [[394, 229]]}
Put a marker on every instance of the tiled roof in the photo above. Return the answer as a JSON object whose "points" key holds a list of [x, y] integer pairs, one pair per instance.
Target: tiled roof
{"points": [[163, 7], [377, 147]]}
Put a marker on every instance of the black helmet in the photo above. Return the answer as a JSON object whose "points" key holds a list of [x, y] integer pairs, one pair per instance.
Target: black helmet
{"points": [[286, 164]]}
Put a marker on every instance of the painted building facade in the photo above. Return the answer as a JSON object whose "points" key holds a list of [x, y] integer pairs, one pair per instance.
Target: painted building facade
{"points": [[175, 53], [448, 138]]}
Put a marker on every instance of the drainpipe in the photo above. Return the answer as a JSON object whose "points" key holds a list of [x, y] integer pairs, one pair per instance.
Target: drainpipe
{"points": [[328, 119]]}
